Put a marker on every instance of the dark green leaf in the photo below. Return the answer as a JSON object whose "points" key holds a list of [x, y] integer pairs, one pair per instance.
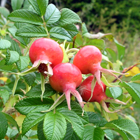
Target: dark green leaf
{"points": [[74, 119], [31, 31], [96, 119], [31, 120], [42, 4], [22, 40], [70, 134], [114, 92], [4, 11], [35, 6], [68, 17], [11, 120], [23, 62], [28, 104], [3, 125], [136, 77], [36, 91], [26, 16], [132, 90], [71, 29], [52, 14], [16, 4], [60, 33], [54, 126], [40, 132], [125, 125], [120, 48], [30, 78], [4, 44], [11, 57]]}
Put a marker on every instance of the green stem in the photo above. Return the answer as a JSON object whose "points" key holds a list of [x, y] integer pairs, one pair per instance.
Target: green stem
{"points": [[44, 24], [72, 50], [15, 85], [2, 55]]}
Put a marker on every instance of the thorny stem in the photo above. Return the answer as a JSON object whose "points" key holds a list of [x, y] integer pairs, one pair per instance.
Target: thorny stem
{"points": [[15, 85], [44, 24]]}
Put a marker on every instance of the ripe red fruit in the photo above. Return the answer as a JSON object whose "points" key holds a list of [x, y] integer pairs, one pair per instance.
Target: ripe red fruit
{"points": [[88, 60], [66, 77], [98, 94], [47, 52]]}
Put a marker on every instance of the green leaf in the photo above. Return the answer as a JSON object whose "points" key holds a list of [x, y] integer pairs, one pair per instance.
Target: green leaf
{"points": [[54, 126], [24, 15], [114, 92], [36, 91], [4, 44], [125, 125], [60, 33], [4, 94], [11, 57], [133, 90], [52, 14], [109, 134], [71, 29], [22, 40], [16, 4], [3, 125], [4, 11], [11, 120], [96, 119], [23, 62], [31, 31], [11, 133], [113, 54], [30, 78], [31, 120], [92, 133], [40, 132], [35, 6], [136, 77], [42, 4], [70, 134], [74, 119], [84, 29], [120, 48], [28, 104], [68, 17]]}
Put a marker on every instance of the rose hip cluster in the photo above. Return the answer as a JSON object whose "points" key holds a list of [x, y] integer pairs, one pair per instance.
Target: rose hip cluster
{"points": [[66, 77]]}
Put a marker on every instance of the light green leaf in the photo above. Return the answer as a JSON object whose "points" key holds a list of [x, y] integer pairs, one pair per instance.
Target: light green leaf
{"points": [[132, 90], [24, 15], [11, 57], [136, 77], [16, 4], [3, 125], [30, 78], [4, 94], [71, 29], [109, 134], [4, 11], [84, 29], [31, 31], [68, 17], [35, 6], [36, 91], [52, 14], [114, 92], [31, 120], [60, 33], [23, 62], [4, 44], [74, 119], [54, 126], [124, 125], [42, 4], [113, 54], [120, 48], [28, 104], [11, 133]]}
